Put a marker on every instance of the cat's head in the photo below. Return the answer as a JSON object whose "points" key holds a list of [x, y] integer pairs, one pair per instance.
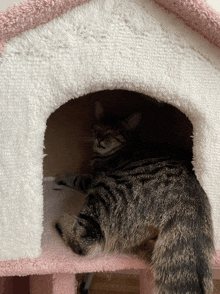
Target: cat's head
{"points": [[111, 133]]}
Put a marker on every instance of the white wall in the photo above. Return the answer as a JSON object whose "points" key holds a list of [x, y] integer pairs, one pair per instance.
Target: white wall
{"points": [[4, 4], [215, 4]]}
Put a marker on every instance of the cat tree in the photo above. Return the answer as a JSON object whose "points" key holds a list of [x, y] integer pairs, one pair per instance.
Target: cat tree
{"points": [[53, 51]]}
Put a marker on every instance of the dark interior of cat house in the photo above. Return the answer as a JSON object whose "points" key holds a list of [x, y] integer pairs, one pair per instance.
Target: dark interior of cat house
{"points": [[68, 143]]}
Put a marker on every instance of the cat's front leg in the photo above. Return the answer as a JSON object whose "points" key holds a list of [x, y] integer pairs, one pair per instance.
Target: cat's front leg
{"points": [[81, 233], [79, 182]]}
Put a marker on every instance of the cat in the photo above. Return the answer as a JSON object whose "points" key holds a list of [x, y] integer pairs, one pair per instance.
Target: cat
{"points": [[143, 199]]}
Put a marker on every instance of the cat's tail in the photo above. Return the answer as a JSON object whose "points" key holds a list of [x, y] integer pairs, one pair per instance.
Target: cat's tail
{"points": [[183, 252]]}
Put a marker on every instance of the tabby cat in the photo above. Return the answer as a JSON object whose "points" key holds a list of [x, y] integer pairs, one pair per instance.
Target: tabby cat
{"points": [[143, 199]]}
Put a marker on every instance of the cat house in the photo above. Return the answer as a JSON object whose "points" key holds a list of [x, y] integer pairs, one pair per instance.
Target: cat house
{"points": [[55, 51]]}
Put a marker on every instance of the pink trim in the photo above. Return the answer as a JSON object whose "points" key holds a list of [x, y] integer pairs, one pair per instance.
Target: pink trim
{"points": [[29, 14], [68, 263], [197, 14]]}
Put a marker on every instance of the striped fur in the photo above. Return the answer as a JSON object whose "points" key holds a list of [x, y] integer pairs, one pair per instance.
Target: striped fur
{"points": [[144, 199]]}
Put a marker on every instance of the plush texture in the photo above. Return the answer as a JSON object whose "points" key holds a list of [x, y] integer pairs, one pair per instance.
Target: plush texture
{"points": [[133, 45], [30, 14], [198, 14], [26, 15]]}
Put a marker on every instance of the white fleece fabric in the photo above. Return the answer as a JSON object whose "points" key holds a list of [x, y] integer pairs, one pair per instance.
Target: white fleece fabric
{"points": [[112, 44]]}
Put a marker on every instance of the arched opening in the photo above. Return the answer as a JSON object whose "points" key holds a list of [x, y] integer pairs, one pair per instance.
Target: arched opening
{"points": [[67, 143]]}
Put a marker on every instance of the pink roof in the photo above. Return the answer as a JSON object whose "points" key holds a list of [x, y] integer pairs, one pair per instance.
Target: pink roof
{"points": [[29, 14], [197, 14]]}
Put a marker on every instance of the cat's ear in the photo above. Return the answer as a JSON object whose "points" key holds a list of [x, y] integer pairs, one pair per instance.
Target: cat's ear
{"points": [[132, 121], [99, 111]]}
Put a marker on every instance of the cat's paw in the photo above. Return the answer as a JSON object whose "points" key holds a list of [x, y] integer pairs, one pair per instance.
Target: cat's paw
{"points": [[67, 228], [83, 236]]}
